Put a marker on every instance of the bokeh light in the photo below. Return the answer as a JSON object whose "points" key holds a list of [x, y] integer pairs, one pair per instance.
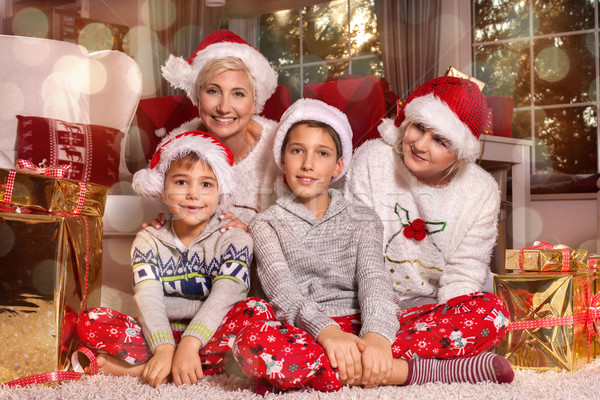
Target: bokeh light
{"points": [[184, 33], [31, 22], [119, 251], [536, 223], [591, 245], [552, 64], [163, 11], [126, 216], [31, 51], [145, 48], [96, 36], [7, 239], [100, 78], [592, 90], [44, 275], [12, 101]]}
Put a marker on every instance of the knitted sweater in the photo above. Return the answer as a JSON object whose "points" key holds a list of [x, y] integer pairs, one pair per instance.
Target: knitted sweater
{"points": [[188, 290], [312, 269], [461, 218], [257, 176]]}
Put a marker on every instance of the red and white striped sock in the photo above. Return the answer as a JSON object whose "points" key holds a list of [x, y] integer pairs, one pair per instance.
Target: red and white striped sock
{"points": [[480, 368]]}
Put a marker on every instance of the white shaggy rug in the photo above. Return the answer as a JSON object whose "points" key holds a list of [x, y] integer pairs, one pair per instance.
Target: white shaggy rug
{"points": [[528, 385]]}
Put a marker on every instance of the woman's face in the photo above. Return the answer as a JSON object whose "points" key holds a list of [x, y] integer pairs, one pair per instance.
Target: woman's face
{"points": [[226, 104], [427, 155]]}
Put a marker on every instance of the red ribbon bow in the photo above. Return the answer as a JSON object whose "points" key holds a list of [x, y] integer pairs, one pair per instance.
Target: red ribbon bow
{"points": [[566, 257], [53, 171]]}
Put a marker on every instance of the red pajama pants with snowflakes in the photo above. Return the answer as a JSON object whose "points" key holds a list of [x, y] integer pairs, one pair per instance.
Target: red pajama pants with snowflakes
{"points": [[290, 358], [110, 332]]}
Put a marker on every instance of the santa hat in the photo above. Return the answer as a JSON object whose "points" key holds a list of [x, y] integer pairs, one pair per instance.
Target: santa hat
{"points": [[150, 182], [315, 110], [182, 74], [452, 107]]}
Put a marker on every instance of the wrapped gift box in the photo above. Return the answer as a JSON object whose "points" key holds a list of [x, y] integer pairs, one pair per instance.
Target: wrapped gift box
{"points": [[50, 268], [559, 303], [546, 260]]}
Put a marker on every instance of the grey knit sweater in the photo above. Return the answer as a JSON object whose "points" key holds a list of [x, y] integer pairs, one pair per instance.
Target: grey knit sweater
{"points": [[188, 290], [312, 269]]}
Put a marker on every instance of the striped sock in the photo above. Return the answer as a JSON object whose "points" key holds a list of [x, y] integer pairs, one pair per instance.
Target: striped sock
{"points": [[480, 368]]}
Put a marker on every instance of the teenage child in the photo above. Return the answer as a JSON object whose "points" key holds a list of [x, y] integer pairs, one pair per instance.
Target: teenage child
{"points": [[190, 280], [439, 211], [321, 266]]}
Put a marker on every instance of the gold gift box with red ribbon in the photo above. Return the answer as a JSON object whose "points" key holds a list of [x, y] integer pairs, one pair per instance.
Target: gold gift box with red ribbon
{"points": [[552, 319], [547, 258], [50, 268]]}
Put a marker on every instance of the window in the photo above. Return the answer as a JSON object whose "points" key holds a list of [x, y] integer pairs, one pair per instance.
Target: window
{"points": [[544, 54], [321, 42]]}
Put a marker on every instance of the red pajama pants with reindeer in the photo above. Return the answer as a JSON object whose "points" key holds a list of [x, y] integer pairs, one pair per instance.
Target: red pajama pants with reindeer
{"points": [[290, 358], [110, 332]]}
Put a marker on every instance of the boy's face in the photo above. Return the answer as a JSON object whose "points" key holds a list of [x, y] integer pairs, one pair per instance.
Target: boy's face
{"points": [[309, 162], [191, 194]]}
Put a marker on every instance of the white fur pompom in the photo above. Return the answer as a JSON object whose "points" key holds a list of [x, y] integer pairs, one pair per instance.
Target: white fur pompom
{"points": [[389, 132], [178, 72], [161, 132], [148, 183]]}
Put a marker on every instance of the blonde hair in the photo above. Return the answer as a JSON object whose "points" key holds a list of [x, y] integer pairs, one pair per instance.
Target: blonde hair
{"points": [[216, 67], [452, 170]]}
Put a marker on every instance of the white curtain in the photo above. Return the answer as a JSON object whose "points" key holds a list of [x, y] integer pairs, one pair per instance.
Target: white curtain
{"points": [[409, 32]]}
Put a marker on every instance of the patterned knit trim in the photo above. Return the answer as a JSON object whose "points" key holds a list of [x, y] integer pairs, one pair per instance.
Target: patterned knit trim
{"points": [[184, 277], [233, 278], [236, 261], [200, 329], [178, 326], [161, 337]]}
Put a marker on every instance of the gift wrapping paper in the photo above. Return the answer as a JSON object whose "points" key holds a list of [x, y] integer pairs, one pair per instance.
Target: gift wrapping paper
{"points": [[559, 300], [451, 71], [53, 195], [43, 288], [546, 260]]}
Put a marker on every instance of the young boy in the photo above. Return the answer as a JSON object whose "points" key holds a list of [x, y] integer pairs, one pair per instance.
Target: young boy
{"points": [[321, 266], [190, 280]]}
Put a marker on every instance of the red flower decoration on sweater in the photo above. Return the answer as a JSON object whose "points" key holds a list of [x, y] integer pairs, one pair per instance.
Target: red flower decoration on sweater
{"points": [[415, 230]]}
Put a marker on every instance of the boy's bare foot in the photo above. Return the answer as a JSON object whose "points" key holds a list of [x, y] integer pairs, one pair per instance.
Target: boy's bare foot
{"points": [[111, 365]]}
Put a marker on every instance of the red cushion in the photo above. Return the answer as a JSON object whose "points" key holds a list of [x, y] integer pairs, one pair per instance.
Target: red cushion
{"points": [[93, 151], [277, 103], [362, 100], [502, 113]]}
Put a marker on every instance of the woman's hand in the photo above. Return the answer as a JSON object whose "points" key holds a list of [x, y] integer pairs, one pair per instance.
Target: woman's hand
{"points": [[376, 360], [234, 223], [157, 222], [187, 367], [158, 368], [344, 352]]}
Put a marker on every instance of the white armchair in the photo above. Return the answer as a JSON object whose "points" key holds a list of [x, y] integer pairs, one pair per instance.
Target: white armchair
{"points": [[60, 80]]}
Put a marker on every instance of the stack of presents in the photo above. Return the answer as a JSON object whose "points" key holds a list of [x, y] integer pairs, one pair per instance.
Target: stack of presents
{"points": [[50, 269]]}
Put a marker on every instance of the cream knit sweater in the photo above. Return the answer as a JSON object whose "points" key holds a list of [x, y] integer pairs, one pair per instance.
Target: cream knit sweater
{"points": [[461, 218]]}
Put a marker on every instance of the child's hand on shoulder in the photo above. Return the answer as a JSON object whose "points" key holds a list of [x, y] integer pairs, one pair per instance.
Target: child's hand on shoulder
{"points": [[376, 360], [344, 352], [187, 367], [234, 223], [158, 368]]}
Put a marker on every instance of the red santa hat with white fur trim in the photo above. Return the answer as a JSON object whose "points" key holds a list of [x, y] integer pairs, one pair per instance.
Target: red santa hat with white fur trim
{"points": [[150, 182], [315, 110], [182, 74], [453, 108]]}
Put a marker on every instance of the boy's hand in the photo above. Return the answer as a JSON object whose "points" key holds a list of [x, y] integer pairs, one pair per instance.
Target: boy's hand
{"points": [[234, 223], [376, 360], [187, 367], [343, 351], [158, 368], [157, 222]]}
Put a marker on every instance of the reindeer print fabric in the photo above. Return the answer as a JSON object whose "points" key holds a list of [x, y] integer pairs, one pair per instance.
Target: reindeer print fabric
{"points": [[92, 151], [111, 332]]}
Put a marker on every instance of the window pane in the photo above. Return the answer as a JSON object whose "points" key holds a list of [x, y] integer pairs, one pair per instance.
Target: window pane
{"points": [[505, 70], [368, 66], [564, 70], [325, 30], [324, 72], [521, 126], [279, 37], [500, 19], [554, 16], [364, 37], [290, 77], [566, 140]]}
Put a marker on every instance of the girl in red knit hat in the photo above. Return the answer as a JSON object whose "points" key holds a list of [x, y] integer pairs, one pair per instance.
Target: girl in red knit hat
{"points": [[439, 211]]}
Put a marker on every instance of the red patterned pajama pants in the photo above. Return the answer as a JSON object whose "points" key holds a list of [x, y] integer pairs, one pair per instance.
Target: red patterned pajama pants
{"points": [[290, 358], [110, 332]]}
